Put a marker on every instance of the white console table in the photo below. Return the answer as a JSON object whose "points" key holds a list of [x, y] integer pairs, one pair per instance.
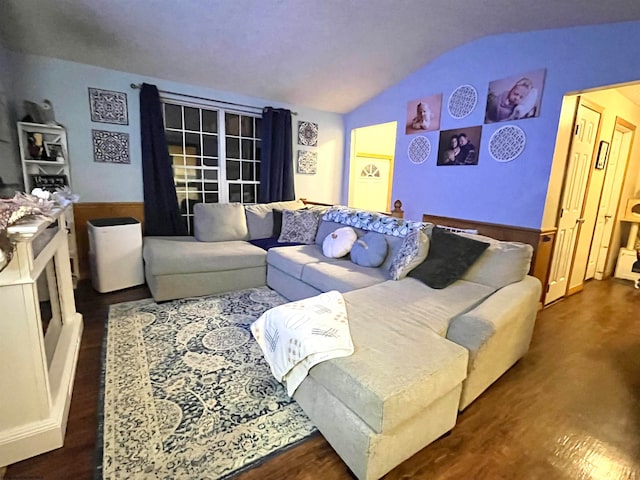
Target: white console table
{"points": [[37, 359]]}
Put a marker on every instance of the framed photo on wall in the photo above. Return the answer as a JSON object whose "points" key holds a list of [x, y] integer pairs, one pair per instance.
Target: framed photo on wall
{"points": [[423, 114], [459, 146], [603, 153], [515, 98]]}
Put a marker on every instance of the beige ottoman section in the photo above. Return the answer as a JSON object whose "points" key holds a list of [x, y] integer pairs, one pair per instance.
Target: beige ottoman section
{"points": [[178, 267], [397, 393]]}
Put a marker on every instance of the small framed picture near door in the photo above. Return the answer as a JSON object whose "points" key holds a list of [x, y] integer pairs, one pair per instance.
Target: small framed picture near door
{"points": [[603, 152]]}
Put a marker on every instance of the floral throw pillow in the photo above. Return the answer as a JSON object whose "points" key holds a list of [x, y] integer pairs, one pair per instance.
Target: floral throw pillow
{"points": [[412, 253], [299, 226]]}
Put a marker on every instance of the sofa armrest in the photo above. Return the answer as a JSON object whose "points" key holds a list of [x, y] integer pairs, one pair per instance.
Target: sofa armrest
{"points": [[497, 333]]}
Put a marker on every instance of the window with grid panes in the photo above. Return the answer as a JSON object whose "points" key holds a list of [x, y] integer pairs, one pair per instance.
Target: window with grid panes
{"points": [[215, 155]]}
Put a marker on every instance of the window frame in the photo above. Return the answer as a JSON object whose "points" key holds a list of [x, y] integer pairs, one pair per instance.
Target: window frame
{"points": [[223, 183]]}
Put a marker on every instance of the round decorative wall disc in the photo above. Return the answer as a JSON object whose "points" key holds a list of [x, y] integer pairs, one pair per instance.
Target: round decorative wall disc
{"points": [[507, 143], [419, 149], [462, 101]]}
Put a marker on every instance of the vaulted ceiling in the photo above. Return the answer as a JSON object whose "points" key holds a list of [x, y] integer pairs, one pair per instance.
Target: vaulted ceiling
{"points": [[326, 54]]}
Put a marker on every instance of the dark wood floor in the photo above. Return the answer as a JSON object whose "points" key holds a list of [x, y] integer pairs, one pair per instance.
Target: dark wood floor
{"points": [[569, 410]]}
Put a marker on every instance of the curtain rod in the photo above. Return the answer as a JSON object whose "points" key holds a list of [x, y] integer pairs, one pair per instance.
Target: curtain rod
{"points": [[137, 86]]}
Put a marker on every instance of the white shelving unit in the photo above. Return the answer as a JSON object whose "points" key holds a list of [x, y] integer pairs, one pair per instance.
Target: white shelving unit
{"points": [[628, 256], [38, 346], [38, 170]]}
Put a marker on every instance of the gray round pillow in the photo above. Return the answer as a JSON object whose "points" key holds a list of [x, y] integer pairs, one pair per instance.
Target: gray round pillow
{"points": [[370, 250]]}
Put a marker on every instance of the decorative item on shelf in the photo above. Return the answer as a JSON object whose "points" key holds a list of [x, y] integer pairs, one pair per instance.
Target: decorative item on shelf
{"points": [[419, 149], [11, 211], [308, 134], [603, 153], [462, 101], [48, 182], [110, 147], [35, 145], [108, 106], [507, 143], [307, 162], [54, 151], [40, 112]]}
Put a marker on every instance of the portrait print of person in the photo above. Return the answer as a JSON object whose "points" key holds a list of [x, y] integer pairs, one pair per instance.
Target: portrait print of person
{"points": [[459, 146], [515, 98], [423, 114]]}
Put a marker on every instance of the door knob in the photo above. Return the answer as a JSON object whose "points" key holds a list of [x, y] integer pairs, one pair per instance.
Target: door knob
{"points": [[580, 220]]}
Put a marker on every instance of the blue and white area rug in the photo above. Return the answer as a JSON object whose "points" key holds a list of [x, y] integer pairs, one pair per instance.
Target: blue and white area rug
{"points": [[187, 393]]}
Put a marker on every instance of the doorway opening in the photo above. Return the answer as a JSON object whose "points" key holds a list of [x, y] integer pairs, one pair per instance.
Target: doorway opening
{"points": [[596, 169], [371, 166]]}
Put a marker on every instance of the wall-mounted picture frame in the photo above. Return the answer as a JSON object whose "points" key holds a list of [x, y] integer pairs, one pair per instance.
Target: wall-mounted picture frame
{"points": [[423, 114], [107, 106], [459, 146], [54, 152], [515, 98], [110, 147], [603, 153]]}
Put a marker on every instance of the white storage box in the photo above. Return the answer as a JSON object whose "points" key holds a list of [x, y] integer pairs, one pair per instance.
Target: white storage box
{"points": [[115, 253]]}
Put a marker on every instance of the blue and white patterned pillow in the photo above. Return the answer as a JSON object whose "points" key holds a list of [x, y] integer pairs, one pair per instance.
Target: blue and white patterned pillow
{"points": [[371, 221], [299, 226], [413, 252]]}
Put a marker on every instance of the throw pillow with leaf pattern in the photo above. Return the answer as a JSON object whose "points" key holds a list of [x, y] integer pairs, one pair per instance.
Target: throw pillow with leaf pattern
{"points": [[299, 226]]}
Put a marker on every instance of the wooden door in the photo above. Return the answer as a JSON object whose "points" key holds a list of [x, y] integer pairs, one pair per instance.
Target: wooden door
{"points": [[616, 168], [575, 184], [372, 182]]}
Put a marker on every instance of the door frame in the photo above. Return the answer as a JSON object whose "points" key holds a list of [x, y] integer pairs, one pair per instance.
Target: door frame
{"points": [[631, 128], [580, 101], [378, 156]]}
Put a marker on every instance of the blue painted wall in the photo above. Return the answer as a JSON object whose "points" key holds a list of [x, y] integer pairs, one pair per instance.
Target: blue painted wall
{"points": [[65, 84], [509, 193]]}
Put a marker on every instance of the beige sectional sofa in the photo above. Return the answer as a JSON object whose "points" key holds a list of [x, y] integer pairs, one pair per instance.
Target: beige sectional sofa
{"points": [[421, 354]]}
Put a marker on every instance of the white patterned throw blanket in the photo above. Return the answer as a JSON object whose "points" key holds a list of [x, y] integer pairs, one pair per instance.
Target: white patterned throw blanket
{"points": [[298, 335]]}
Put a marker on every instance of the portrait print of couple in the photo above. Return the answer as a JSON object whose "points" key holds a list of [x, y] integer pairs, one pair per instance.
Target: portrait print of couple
{"points": [[423, 114], [515, 98], [459, 146]]}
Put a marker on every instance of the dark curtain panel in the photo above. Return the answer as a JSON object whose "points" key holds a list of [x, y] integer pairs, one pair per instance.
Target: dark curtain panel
{"points": [[276, 163], [161, 213]]}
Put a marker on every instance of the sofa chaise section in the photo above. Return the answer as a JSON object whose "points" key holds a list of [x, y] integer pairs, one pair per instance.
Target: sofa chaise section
{"points": [[398, 392], [178, 267], [219, 257]]}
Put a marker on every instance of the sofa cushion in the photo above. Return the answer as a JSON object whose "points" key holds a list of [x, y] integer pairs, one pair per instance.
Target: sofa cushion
{"points": [[394, 337], [339, 242], [450, 255], [370, 250], [219, 222], [260, 219], [501, 264], [292, 260], [412, 253], [299, 226], [414, 302], [172, 255], [342, 275]]}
